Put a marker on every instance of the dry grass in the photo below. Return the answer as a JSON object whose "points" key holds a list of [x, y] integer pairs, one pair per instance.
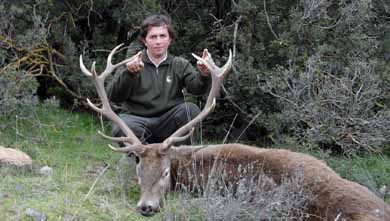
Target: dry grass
{"points": [[253, 197]]}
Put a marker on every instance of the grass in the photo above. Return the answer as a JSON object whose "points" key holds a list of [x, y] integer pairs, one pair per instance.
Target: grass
{"points": [[68, 143], [85, 184], [251, 196]]}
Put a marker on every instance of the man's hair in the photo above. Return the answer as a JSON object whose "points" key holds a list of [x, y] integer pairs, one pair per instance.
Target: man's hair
{"points": [[156, 21]]}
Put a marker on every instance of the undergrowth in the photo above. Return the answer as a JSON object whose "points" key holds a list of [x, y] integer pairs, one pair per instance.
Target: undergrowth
{"points": [[253, 196]]}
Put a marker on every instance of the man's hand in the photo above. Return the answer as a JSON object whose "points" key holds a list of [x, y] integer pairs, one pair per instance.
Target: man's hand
{"points": [[201, 67], [136, 65]]}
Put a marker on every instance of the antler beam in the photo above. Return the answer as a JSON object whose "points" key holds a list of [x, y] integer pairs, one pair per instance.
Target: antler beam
{"points": [[131, 140], [217, 75]]}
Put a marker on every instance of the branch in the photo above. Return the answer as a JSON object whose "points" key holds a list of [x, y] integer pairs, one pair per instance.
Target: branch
{"points": [[268, 21], [94, 183]]}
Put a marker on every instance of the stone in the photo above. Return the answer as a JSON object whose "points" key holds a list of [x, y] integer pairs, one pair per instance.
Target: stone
{"points": [[35, 214], [46, 170], [14, 157]]}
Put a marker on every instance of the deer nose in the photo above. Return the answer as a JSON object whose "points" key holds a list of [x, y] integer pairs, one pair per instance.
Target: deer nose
{"points": [[146, 210]]}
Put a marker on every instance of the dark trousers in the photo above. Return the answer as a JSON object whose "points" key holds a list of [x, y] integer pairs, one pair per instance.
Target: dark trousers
{"points": [[157, 129]]}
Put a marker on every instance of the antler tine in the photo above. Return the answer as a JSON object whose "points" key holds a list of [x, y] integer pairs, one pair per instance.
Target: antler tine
{"points": [[115, 139], [226, 68], [93, 68], [110, 67], [217, 75], [214, 69], [83, 68], [106, 109], [128, 148], [171, 140], [94, 107]]}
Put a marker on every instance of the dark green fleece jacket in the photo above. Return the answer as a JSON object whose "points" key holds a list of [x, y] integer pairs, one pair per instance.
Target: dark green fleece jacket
{"points": [[154, 91]]}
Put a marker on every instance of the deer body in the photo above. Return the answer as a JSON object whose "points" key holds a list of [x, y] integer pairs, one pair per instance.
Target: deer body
{"points": [[333, 196], [336, 198]]}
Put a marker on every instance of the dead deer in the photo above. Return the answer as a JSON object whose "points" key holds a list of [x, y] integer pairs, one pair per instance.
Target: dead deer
{"points": [[335, 198]]}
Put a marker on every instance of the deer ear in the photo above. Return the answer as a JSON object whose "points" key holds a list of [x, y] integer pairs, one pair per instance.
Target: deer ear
{"points": [[183, 152]]}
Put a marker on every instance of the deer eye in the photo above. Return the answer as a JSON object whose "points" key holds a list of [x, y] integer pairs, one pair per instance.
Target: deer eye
{"points": [[166, 173]]}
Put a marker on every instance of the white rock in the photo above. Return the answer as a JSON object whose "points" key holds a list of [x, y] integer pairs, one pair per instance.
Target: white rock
{"points": [[9, 156], [35, 214], [46, 170]]}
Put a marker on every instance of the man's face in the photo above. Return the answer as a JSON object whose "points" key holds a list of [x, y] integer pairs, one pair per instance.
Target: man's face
{"points": [[157, 41]]}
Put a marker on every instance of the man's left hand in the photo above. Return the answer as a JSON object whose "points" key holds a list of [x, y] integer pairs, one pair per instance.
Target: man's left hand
{"points": [[202, 67]]}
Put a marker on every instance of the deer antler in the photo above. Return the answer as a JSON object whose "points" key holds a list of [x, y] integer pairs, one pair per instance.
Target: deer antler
{"points": [[132, 142], [217, 75]]}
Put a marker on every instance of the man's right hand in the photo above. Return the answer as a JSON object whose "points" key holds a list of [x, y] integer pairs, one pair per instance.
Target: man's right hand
{"points": [[136, 65]]}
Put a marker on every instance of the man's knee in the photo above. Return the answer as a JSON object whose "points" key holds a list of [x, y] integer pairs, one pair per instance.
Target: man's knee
{"points": [[187, 112], [136, 126], [116, 131]]}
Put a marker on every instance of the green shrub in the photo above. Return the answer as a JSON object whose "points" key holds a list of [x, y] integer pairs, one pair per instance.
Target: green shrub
{"points": [[17, 93], [334, 109]]}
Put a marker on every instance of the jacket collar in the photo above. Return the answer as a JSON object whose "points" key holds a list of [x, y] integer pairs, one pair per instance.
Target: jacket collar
{"points": [[145, 59]]}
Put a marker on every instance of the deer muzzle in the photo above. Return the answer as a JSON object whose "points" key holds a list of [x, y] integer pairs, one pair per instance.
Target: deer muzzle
{"points": [[147, 208]]}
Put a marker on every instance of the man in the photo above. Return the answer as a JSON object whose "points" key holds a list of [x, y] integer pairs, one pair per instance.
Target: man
{"points": [[150, 89]]}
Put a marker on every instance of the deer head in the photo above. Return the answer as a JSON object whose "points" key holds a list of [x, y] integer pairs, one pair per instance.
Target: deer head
{"points": [[153, 168]]}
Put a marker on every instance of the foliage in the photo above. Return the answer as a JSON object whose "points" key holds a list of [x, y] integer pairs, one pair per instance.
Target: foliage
{"points": [[324, 67], [330, 110], [46, 44], [17, 94]]}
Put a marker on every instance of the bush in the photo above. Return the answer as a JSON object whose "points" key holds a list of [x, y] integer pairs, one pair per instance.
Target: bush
{"points": [[317, 75], [17, 93], [341, 110]]}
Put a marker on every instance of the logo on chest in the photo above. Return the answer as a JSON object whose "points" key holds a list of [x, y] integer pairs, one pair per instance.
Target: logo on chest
{"points": [[169, 79]]}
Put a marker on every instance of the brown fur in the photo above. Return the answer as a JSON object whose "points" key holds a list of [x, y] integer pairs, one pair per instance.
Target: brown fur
{"points": [[335, 197]]}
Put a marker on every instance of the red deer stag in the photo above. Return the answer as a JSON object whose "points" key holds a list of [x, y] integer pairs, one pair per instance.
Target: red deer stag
{"points": [[335, 198]]}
